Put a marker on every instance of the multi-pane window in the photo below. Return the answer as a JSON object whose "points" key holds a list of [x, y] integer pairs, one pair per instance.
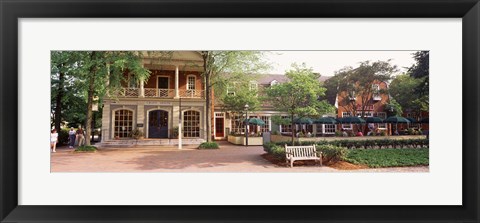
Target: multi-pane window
{"points": [[191, 82], [123, 123], [191, 124], [365, 114], [330, 128], [326, 129], [346, 126], [382, 115], [266, 127], [416, 117], [285, 128], [237, 125]]}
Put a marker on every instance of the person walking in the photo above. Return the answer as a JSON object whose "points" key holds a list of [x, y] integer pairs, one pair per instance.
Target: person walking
{"points": [[80, 136], [53, 140], [71, 137]]}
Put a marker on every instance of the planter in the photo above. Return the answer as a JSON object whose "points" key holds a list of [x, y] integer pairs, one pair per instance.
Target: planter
{"points": [[240, 140]]}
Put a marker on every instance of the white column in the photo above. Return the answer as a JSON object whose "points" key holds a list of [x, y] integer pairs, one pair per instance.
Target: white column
{"points": [[142, 90], [176, 82], [106, 121]]}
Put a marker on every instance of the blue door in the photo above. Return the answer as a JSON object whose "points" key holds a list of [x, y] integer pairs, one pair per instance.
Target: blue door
{"points": [[158, 124]]}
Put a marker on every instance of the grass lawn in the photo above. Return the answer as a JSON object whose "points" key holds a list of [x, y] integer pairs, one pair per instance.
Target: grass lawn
{"points": [[388, 157]]}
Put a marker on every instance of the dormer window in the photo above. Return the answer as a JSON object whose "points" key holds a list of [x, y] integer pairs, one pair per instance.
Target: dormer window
{"points": [[253, 85], [376, 92], [351, 96], [231, 89]]}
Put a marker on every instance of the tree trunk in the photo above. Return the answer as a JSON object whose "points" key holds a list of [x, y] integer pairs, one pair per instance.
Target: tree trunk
{"points": [[207, 95], [91, 89], [208, 108], [293, 130], [58, 101]]}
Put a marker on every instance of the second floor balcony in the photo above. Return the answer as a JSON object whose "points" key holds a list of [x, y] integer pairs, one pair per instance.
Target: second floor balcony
{"points": [[159, 93]]}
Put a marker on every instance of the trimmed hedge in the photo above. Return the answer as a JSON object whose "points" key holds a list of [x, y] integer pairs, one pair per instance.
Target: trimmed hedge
{"points": [[330, 152], [208, 145], [367, 144]]}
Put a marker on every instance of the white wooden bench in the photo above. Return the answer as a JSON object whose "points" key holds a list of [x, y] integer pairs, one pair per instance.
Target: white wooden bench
{"points": [[294, 153]]}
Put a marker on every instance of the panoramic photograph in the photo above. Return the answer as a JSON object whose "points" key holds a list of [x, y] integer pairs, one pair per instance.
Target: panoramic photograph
{"points": [[239, 111]]}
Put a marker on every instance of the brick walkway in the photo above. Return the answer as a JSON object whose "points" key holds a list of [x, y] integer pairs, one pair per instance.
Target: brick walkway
{"points": [[228, 158]]}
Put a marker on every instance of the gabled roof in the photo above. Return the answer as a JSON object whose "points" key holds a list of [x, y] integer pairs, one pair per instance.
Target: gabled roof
{"points": [[267, 79]]}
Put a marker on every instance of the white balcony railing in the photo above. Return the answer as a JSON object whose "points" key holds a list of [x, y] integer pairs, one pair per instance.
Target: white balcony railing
{"points": [[191, 93], [159, 93], [128, 92]]}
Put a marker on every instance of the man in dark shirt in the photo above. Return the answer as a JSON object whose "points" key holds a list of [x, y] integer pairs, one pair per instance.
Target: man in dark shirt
{"points": [[80, 136]]}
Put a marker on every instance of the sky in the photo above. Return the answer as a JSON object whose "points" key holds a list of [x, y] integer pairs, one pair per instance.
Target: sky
{"points": [[327, 62]]}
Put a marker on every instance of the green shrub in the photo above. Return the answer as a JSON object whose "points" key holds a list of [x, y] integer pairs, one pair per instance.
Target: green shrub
{"points": [[86, 149], [208, 145], [332, 153], [136, 134], [63, 136], [267, 146], [365, 144], [277, 150]]}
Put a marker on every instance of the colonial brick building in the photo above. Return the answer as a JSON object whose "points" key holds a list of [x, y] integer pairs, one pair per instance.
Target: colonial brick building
{"points": [[366, 105]]}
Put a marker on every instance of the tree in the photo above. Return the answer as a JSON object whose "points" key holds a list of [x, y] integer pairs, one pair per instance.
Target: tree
{"points": [[243, 95], [96, 73], [68, 100], [358, 83], [300, 95], [403, 90], [421, 71], [221, 67]]}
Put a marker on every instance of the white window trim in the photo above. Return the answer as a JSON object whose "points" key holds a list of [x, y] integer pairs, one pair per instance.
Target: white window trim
{"points": [[194, 82], [200, 123], [156, 79], [134, 120]]}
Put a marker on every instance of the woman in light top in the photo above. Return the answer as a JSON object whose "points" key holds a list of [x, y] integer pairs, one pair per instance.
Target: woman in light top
{"points": [[53, 140]]}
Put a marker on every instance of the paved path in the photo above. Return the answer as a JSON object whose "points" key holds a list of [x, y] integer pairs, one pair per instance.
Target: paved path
{"points": [[228, 158]]}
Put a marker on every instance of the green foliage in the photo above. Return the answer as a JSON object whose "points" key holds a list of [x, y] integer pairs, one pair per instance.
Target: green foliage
{"points": [[220, 68], [136, 134], [63, 136], [244, 95], [332, 153], [86, 149], [421, 70], [175, 132], [208, 145], [79, 77], [369, 143], [299, 95], [276, 150], [402, 89], [393, 108], [389, 157], [358, 82]]}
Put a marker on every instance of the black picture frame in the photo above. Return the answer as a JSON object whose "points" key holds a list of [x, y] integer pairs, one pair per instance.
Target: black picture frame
{"points": [[11, 11]]}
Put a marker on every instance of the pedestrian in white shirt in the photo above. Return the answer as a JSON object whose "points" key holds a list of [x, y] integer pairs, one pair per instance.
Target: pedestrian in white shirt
{"points": [[53, 140]]}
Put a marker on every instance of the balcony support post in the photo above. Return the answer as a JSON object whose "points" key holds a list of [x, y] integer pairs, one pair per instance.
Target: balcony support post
{"points": [[142, 89], [176, 82]]}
